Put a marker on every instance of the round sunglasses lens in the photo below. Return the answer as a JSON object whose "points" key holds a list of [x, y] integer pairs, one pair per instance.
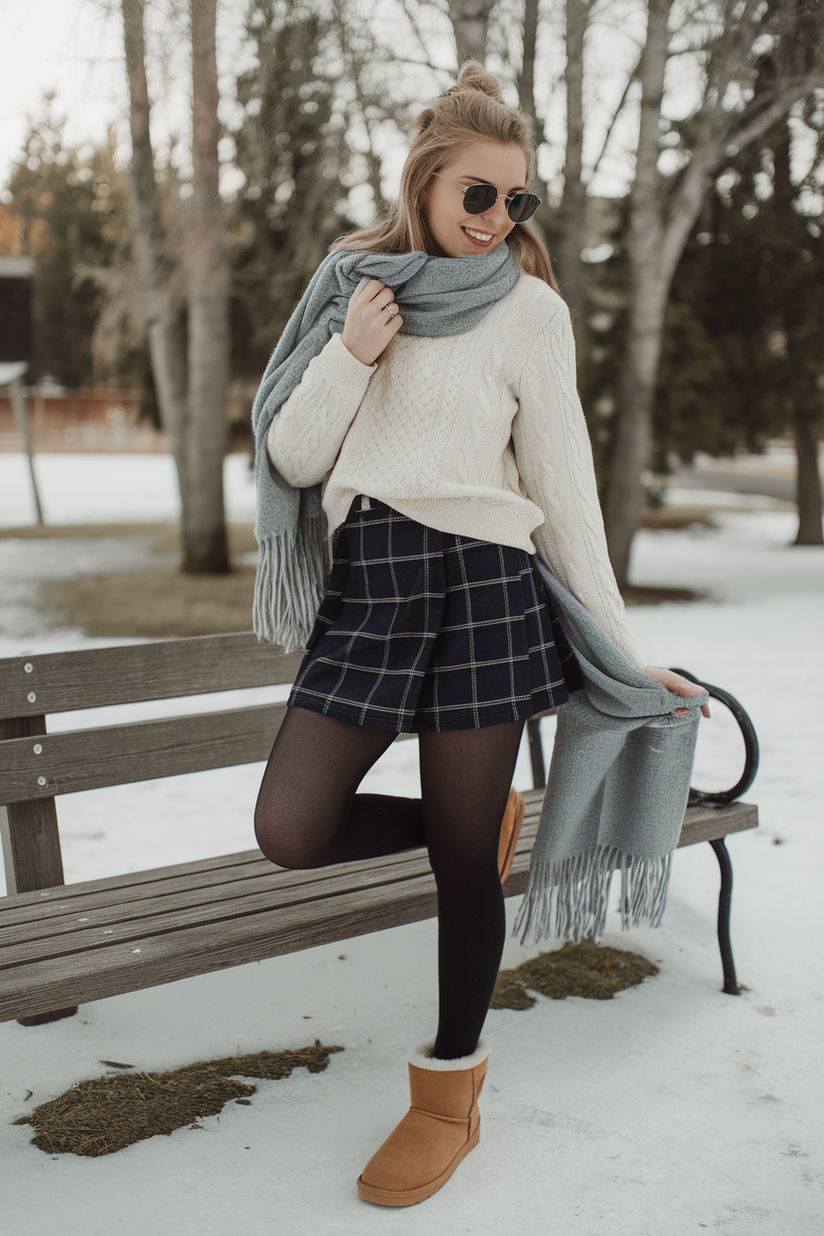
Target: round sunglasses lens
{"points": [[479, 198], [523, 207]]}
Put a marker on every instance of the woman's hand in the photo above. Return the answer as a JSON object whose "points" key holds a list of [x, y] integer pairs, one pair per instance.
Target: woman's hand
{"points": [[681, 686], [369, 324]]}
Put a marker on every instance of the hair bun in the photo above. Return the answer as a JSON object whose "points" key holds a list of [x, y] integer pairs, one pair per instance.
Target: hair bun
{"points": [[473, 76]]}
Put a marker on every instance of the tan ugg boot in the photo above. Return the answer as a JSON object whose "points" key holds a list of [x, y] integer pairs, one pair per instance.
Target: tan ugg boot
{"points": [[510, 831], [441, 1127]]}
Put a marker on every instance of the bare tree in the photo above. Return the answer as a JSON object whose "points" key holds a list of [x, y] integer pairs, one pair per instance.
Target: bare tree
{"points": [[167, 342], [470, 21], [544, 218], [739, 103], [204, 525], [190, 374], [572, 211], [805, 401]]}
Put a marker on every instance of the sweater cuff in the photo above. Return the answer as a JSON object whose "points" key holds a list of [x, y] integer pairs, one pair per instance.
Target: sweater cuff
{"points": [[350, 375]]}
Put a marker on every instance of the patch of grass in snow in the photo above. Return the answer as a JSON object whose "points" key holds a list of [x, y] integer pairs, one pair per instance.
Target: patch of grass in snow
{"points": [[586, 969], [105, 1114], [645, 595], [156, 602], [676, 517], [165, 537]]}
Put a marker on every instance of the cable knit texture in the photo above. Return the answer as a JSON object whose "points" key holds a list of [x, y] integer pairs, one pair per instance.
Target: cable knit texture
{"points": [[480, 434]]}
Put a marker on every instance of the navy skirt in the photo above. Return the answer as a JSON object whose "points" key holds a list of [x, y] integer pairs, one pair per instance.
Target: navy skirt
{"points": [[422, 630]]}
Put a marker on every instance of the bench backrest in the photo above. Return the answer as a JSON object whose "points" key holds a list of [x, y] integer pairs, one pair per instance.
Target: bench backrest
{"points": [[33, 687], [35, 765]]}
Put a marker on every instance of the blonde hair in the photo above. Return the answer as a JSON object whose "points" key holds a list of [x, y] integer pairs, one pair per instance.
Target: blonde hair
{"points": [[473, 108]]}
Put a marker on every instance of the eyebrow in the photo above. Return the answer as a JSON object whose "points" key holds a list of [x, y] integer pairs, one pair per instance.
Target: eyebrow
{"points": [[483, 180]]}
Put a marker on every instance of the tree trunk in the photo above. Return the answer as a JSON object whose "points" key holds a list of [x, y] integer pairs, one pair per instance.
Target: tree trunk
{"points": [[204, 526], [808, 479], [572, 210], [167, 343], [804, 413], [648, 295], [544, 217], [632, 436], [470, 21]]}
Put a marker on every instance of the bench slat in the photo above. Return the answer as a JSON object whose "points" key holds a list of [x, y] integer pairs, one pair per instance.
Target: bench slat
{"points": [[104, 898], [140, 751], [94, 677], [712, 823], [50, 906], [104, 910], [36, 988], [147, 923]]}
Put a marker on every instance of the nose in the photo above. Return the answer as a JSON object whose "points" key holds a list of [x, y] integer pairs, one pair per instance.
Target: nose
{"points": [[497, 215]]}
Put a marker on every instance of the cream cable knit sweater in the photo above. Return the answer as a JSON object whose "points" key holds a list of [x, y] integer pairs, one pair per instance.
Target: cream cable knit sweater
{"points": [[480, 434]]}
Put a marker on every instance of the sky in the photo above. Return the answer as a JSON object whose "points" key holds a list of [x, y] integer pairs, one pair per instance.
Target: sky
{"points": [[69, 46]]}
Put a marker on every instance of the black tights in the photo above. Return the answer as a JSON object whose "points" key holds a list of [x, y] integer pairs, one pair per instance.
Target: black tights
{"points": [[309, 814]]}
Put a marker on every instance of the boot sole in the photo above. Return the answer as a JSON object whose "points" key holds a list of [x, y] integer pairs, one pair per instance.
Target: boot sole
{"points": [[387, 1197]]}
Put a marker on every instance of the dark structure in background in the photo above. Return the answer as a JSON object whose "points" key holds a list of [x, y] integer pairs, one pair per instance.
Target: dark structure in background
{"points": [[16, 309], [16, 344]]}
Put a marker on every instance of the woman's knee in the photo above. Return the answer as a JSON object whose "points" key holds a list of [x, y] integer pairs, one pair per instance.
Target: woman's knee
{"points": [[288, 842]]}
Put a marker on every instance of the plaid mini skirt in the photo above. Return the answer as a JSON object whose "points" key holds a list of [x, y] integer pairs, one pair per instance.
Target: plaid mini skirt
{"points": [[422, 630]]}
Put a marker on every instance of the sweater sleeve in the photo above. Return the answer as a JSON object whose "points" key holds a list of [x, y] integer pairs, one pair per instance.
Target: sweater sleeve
{"points": [[554, 457], [309, 427]]}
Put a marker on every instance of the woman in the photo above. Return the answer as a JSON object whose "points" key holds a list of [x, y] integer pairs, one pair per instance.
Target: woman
{"points": [[441, 476]]}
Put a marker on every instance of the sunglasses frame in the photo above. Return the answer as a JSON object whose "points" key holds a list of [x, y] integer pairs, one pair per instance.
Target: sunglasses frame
{"points": [[509, 198]]}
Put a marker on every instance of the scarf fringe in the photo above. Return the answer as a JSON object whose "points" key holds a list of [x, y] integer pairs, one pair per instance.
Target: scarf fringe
{"points": [[290, 584], [569, 898]]}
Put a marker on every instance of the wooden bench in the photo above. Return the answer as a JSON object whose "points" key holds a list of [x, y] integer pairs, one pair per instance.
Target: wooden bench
{"points": [[62, 945]]}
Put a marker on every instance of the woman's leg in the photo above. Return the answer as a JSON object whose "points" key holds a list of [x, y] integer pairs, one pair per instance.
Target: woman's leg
{"points": [[308, 813], [465, 778]]}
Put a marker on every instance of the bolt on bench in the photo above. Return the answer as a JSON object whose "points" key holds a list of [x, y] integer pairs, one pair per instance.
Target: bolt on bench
{"points": [[62, 945]]}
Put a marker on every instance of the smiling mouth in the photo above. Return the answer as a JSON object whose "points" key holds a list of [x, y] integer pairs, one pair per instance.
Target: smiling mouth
{"points": [[477, 236]]}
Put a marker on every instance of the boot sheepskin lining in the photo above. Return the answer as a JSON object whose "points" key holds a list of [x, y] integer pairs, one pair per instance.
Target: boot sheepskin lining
{"points": [[422, 1058]]}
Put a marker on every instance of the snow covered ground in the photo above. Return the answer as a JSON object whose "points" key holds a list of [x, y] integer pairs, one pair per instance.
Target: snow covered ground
{"points": [[670, 1109]]}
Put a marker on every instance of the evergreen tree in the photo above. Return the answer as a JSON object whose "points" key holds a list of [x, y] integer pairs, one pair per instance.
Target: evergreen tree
{"points": [[70, 211], [293, 154], [742, 358]]}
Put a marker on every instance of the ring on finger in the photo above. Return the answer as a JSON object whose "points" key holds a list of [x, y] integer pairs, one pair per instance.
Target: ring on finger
{"points": [[389, 307]]}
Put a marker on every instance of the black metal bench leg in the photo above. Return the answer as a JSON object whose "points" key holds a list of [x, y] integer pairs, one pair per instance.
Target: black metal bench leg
{"points": [[536, 753], [724, 902]]}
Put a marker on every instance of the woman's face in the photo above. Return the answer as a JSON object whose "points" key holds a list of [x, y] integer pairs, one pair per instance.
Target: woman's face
{"points": [[455, 232]]}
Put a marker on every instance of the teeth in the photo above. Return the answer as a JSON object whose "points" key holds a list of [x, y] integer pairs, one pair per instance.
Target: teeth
{"points": [[479, 235]]}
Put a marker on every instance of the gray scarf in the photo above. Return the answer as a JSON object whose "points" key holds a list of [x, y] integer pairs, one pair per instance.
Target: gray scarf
{"points": [[617, 788], [436, 296]]}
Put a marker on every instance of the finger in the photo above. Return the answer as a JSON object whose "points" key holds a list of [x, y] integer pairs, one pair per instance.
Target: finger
{"points": [[373, 288], [684, 712], [682, 687]]}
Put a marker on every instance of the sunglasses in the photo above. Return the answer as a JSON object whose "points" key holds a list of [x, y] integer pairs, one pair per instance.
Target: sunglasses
{"points": [[478, 198]]}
